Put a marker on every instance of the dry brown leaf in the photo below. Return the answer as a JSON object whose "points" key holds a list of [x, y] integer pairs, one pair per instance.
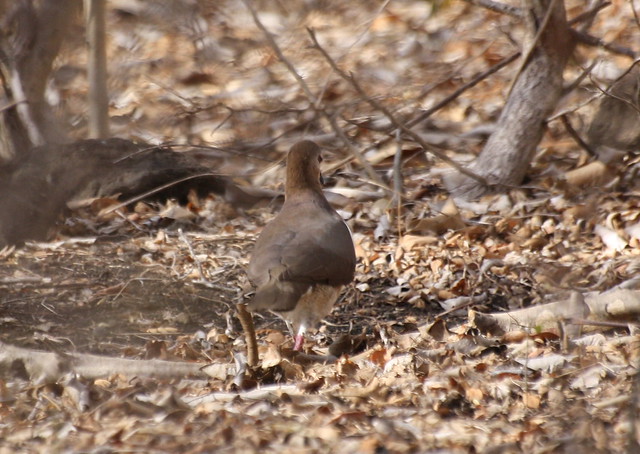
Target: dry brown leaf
{"points": [[437, 225], [379, 356], [248, 113], [270, 356], [409, 242], [531, 400], [595, 173], [346, 367], [610, 238], [474, 395]]}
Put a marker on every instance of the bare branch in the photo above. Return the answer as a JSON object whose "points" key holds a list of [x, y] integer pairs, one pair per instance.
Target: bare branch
{"points": [[608, 91], [594, 41], [444, 102], [513, 11], [636, 16], [581, 36], [472, 83], [590, 14], [575, 136], [497, 7], [575, 83], [312, 99], [398, 124]]}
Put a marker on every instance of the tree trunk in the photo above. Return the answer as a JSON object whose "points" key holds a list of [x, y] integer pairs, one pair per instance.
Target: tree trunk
{"points": [[97, 69], [507, 154], [33, 33]]}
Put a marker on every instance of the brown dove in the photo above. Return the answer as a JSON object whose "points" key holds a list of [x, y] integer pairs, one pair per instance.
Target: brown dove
{"points": [[305, 255]]}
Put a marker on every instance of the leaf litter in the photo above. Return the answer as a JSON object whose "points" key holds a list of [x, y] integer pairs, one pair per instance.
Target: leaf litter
{"points": [[400, 365]]}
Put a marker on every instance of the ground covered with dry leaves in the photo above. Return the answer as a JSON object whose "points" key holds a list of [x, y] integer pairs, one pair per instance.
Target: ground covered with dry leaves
{"points": [[413, 374]]}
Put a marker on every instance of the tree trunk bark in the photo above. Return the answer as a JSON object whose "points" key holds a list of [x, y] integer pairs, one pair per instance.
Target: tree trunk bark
{"points": [[97, 69], [33, 33], [507, 154]]}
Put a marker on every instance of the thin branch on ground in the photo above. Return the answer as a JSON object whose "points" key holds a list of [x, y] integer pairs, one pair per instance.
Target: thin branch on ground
{"points": [[45, 366], [144, 195], [398, 124], [601, 323]]}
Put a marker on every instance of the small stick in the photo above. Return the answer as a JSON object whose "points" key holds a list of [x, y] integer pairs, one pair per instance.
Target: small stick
{"points": [[575, 136], [398, 182], [246, 320], [608, 92], [589, 14], [575, 83], [498, 7], [131, 200], [193, 254]]}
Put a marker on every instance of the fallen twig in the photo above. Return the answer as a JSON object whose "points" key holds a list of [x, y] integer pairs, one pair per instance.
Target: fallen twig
{"points": [[185, 240], [497, 7], [44, 367], [261, 394]]}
